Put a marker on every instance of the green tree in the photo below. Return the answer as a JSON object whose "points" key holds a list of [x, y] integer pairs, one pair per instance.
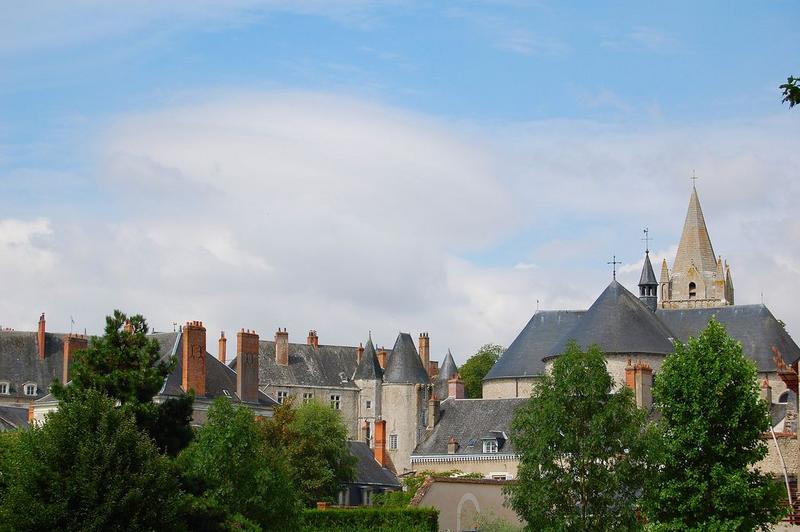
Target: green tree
{"points": [[476, 367], [791, 91], [582, 448], [234, 471], [314, 437], [127, 366], [412, 483], [712, 419], [88, 468]]}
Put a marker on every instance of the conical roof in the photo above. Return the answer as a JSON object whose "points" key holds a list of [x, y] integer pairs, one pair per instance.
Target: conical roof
{"points": [[695, 245], [448, 368], [404, 364], [618, 322], [368, 368], [648, 275]]}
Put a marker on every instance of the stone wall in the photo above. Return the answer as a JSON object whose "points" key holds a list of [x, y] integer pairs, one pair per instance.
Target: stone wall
{"points": [[791, 455], [509, 388], [401, 407], [478, 464], [348, 401]]}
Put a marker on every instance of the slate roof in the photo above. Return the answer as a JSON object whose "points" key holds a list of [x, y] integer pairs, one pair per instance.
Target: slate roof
{"points": [[648, 276], [469, 420], [404, 364], [752, 325], [618, 322], [536, 340], [13, 417], [448, 368], [368, 471], [20, 364], [368, 368], [220, 380]]}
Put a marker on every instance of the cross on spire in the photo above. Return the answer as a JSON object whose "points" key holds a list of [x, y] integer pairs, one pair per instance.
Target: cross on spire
{"points": [[694, 179], [646, 239], [614, 263]]}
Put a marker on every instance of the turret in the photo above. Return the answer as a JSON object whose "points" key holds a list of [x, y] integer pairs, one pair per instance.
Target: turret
{"points": [[648, 286]]}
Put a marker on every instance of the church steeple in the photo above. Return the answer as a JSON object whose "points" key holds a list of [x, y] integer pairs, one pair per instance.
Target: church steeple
{"points": [[648, 286], [697, 278]]}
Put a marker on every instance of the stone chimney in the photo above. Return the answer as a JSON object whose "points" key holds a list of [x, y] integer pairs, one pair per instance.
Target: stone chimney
{"points": [[452, 445], [312, 339], [455, 387], [639, 378], [433, 368], [380, 442], [193, 360], [40, 337], [222, 351], [247, 366], [128, 326], [72, 343], [433, 412], [359, 353], [282, 347], [382, 358], [424, 349], [766, 391]]}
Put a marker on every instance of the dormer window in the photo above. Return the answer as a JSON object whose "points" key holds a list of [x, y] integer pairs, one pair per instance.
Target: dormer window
{"points": [[489, 446], [30, 389], [692, 290], [4, 388]]}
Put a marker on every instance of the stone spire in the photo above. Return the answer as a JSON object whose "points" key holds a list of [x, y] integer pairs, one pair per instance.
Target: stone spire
{"points": [[695, 246]]}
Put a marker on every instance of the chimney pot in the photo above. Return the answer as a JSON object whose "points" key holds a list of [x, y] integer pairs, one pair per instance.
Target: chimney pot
{"points": [[40, 337], [222, 352]]}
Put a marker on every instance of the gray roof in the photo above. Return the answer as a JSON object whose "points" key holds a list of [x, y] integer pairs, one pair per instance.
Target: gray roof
{"points": [[752, 325], [448, 368], [20, 363], [648, 276], [13, 417], [618, 322], [524, 356], [327, 365], [368, 368], [368, 471], [220, 380], [404, 364], [469, 420]]}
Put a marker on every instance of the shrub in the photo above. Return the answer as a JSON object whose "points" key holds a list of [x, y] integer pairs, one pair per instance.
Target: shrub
{"points": [[364, 519]]}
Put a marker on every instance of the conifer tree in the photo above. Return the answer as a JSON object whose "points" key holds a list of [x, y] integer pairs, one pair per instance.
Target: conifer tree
{"points": [[712, 419]]}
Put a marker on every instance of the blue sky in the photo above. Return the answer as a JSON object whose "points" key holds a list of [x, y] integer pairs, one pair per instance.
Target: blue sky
{"points": [[575, 124]]}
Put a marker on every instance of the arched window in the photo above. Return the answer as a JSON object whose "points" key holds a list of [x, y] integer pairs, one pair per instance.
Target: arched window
{"points": [[784, 397], [692, 290]]}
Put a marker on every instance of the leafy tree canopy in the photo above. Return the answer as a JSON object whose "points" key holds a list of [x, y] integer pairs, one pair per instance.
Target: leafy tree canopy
{"points": [[126, 365], [231, 468], [88, 468], [477, 366], [314, 437], [582, 448], [712, 418], [791, 91]]}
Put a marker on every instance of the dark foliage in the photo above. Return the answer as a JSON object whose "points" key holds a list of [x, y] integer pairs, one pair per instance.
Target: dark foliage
{"points": [[367, 519]]}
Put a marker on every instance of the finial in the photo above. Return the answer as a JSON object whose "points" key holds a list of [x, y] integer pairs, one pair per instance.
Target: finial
{"points": [[694, 179], [614, 263]]}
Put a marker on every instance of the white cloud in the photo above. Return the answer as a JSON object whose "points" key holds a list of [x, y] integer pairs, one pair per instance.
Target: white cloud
{"points": [[306, 210]]}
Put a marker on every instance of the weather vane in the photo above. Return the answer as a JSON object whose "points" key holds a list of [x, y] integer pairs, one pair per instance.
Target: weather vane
{"points": [[614, 263], [646, 239]]}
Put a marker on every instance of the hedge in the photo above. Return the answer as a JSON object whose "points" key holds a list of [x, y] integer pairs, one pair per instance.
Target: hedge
{"points": [[363, 519]]}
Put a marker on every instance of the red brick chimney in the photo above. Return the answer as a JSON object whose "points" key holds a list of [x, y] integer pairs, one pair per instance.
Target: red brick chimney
{"points": [[72, 343], [359, 353], [424, 349], [247, 366], [382, 358], [223, 347], [433, 368], [455, 387], [40, 338], [380, 442], [312, 339], [193, 360], [639, 378], [282, 347]]}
